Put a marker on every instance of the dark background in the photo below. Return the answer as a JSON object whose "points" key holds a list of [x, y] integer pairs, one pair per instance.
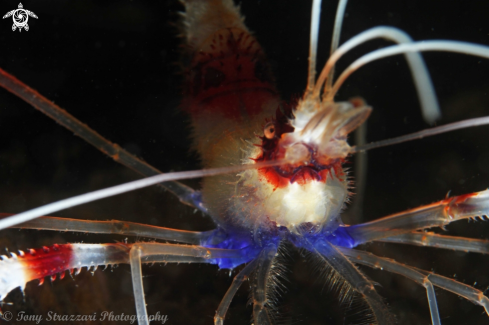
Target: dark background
{"points": [[115, 66]]}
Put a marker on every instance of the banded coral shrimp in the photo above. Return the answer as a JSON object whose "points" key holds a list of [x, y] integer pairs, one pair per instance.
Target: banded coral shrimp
{"points": [[462, 175]]}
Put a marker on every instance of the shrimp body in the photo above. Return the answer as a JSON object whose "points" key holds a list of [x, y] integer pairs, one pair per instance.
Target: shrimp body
{"points": [[238, 119], [229, 92], [231, 97]]}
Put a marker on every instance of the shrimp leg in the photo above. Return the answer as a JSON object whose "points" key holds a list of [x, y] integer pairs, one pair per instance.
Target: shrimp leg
{"points": [[141, 250], [260, 288], [186, 194], [33, 264], [430, 239], [125, 228], [137, 284], [226, 300], [354, 277], [473, 295], [394, 267], [437, 214]]}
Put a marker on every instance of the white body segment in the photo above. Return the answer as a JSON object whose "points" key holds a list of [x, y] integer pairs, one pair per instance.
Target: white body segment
{"points": [[12, 275], [290, 206]]}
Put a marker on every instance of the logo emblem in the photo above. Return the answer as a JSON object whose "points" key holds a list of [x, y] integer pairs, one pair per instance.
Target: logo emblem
{"points": [[20, 17]]}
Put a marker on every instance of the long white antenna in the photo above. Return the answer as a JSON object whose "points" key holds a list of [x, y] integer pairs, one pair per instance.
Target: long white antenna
{"points": [[422, 81], [422, 134], [123, 188], [338, 23], [408, 48], [313, 46]]}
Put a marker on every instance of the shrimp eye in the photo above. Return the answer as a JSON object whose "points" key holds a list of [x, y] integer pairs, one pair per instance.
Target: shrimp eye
{"points": [[269, 130]]}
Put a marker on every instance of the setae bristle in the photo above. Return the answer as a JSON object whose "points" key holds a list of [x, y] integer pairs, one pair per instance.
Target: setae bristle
{"points": [[356, 309]]}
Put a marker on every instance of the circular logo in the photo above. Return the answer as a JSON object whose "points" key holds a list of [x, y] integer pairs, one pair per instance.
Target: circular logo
{"points": [[7, 315], [20, 17]]}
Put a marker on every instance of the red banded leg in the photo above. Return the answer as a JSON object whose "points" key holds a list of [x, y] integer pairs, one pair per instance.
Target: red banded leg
{"points": [[33, 264]]}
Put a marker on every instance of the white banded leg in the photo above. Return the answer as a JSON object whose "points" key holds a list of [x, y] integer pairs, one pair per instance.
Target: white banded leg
{"points": [[25, 266]]}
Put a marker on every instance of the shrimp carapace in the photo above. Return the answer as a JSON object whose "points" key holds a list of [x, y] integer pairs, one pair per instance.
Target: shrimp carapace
{"points": [[231, 97]]}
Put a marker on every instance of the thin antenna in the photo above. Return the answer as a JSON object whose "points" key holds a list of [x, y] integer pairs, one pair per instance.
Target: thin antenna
{"points": [[407, 48], [422, 81], [313, 46], [423, 134], [124, 188], [338, 23]]}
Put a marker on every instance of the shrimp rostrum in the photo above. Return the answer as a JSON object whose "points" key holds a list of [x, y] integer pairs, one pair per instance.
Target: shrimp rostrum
{"points": [[274, 177]]}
